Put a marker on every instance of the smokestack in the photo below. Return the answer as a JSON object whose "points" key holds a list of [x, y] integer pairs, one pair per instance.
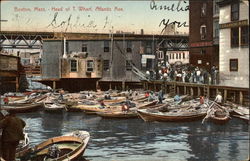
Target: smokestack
{"points": [[64, 48], [142, 32]]}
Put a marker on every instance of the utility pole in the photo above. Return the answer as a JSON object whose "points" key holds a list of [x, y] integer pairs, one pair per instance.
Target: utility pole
{"points": [[111, 51]]}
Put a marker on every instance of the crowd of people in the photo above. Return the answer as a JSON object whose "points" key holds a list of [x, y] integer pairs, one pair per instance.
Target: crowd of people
{"points": [[188, 73]]}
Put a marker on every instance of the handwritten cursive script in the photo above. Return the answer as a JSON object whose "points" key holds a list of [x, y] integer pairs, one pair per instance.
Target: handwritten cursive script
{"points": [[68, 23], [173, 7], [165, 24]]}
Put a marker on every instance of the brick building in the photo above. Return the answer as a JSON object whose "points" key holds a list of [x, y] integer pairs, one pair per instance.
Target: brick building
{"points": [[203, 33]]}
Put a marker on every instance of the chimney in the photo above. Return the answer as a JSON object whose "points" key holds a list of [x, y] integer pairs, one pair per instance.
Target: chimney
{"points": [[142, 32]]}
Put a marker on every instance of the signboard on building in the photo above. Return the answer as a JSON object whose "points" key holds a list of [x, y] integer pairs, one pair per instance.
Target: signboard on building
{"points": [[200, 44], [234, 24]]}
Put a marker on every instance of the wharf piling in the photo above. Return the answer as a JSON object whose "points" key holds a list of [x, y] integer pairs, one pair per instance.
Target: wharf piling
{"points": [[233, 94]]}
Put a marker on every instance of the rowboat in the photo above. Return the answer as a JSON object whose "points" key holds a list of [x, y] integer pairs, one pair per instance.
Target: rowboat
{"points": [[142, 105], [118, 114], [54, 107], [23, 107], [220, 116], [217, 114], [238, 111], [172, 116], [94, 108], [62, 148], [114, 100]]}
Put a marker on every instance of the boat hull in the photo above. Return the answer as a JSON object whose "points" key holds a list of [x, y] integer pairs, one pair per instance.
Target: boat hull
{"points": [[71, 147], [23, 108], [170, 118], [118, 115]]}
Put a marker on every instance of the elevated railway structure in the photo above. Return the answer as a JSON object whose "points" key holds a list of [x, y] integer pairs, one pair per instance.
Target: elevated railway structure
{"points": [[23, 39]]}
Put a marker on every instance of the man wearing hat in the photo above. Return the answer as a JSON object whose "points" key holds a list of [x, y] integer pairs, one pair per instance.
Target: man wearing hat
{"points": [[12, 133], [218, 98]]}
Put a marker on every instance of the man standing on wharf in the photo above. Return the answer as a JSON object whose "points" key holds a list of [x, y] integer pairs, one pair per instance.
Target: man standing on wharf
{"points": [[12, 127]]}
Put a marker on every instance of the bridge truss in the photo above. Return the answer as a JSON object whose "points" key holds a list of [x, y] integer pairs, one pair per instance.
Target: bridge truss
{"points": [[23, 40]]}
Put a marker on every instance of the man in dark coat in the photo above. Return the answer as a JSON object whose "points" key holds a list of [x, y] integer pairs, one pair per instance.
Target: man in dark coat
{"points": [[12, 133]]}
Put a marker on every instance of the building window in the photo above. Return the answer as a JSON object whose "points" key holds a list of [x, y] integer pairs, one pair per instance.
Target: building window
{"points": [[148, 47], [160, 55], [73, 65], [203, 32], [129, 46], [183, 55], [105, 65], [84, 48], [235, 37], [169, 56], [176, 55], [203, 9], [67, 47], [128, 65], [90, 66], [216, 29], [106, 46], [244, 38], [149, 64], [141, 50], [235, 11], [179, 55], [203, 51], [233, 65], [216, 7]]}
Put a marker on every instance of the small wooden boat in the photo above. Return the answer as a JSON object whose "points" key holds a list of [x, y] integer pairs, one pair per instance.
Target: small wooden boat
{"points": [[217, 114], [142, 105], [95, 108], [22, 108], [54, 107], [172, 116], [118, 114], [114, 100], [63, 148], [220, 117]]}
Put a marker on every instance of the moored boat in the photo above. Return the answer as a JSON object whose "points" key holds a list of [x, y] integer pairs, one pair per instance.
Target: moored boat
{"points": [[62, 148], [118, 114], [54, 107], [217, 114], [146, 104], [172, 116], [22, 108], [95, 108]]}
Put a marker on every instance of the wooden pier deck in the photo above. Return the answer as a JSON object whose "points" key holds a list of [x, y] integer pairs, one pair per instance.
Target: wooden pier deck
{"points": [[233, 94]]}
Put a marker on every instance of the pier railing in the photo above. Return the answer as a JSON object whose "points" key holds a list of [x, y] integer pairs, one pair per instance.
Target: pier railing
{"points": [[233, 94]]}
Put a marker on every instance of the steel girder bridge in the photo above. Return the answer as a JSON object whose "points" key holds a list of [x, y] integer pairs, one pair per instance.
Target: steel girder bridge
{"points": [[23, 40], [175, 43]]}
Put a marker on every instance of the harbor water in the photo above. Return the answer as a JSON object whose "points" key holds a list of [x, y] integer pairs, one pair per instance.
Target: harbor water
{"points": [[134, 139]]}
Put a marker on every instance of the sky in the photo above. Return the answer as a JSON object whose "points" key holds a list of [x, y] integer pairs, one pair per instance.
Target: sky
{"points": [[94, 16]]}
